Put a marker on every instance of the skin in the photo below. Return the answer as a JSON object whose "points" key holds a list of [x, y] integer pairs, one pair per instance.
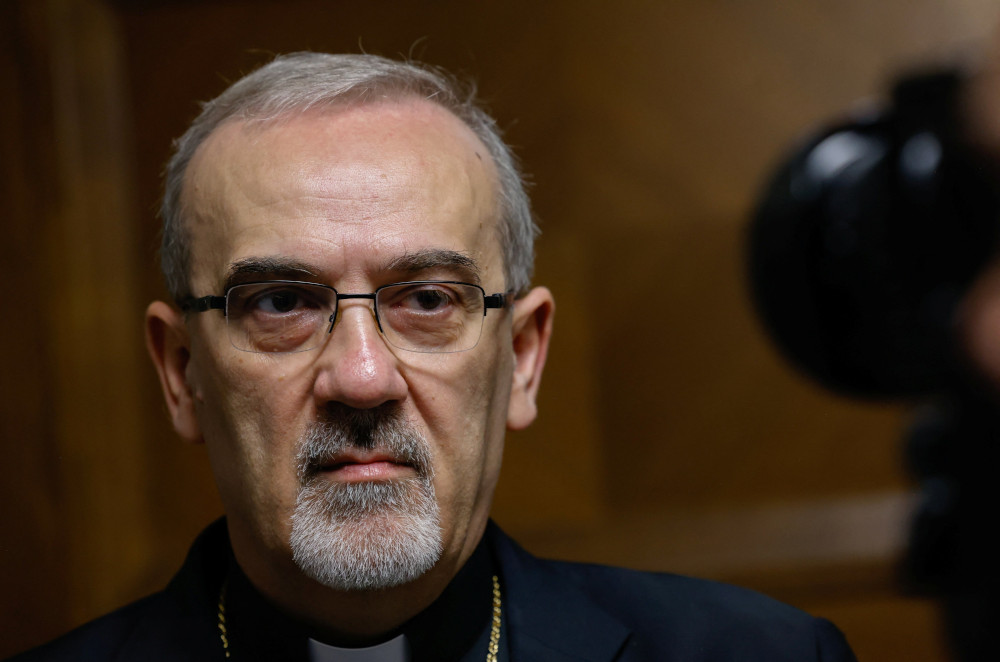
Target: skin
{"points": [[347, 194]]}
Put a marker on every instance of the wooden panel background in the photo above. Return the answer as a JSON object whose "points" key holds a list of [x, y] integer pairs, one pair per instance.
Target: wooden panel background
{"points": [[671, 437]]}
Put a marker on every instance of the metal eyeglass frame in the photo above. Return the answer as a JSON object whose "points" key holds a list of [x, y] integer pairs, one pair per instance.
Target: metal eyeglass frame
{"points": [[219, 302]]}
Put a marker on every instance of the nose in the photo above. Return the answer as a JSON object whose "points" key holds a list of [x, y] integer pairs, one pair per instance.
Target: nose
{"points": [[356, 367]]}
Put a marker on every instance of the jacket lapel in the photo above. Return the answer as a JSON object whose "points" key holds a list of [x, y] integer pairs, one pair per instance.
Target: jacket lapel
{"points": [[549, 617]]}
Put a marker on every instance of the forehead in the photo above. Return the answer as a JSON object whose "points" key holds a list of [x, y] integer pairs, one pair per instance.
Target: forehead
{"points": [[345, 190]]}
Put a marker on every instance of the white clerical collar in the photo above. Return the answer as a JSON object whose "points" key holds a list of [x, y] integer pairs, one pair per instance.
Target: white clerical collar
{"points": [[394, 650]]}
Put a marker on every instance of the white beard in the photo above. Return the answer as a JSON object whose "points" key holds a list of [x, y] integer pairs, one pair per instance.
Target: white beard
{"points": [[365, 535]]}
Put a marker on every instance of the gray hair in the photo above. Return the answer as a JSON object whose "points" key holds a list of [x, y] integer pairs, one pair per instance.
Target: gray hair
{"points": [[300, 81]]}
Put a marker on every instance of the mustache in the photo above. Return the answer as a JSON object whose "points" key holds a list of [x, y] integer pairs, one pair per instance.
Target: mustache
{"points": [[383, 429]]}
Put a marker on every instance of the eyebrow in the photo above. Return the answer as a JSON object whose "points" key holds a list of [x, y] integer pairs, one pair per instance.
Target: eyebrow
{"points": [[251, 269], [266, 268], [435, 258]]}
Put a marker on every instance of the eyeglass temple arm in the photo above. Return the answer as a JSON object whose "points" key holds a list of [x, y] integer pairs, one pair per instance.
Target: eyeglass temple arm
{"points": [[496, 301], [191, 305]]}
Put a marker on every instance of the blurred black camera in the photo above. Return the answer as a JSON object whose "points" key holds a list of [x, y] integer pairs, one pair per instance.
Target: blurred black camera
{"points": [[860, 252]]}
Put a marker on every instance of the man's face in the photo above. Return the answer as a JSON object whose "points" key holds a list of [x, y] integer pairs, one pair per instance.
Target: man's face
{"points": [[354, 198]]}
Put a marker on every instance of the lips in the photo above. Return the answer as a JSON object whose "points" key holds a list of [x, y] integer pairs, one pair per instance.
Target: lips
{"points": [[365, 467]]}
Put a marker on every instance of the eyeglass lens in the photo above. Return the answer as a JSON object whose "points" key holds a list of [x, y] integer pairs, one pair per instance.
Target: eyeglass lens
{"points": [[294, 317]]}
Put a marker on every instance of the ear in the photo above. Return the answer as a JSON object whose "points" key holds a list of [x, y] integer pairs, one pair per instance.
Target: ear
{"points": [[169, 346], [979, 324], [532, 328]]}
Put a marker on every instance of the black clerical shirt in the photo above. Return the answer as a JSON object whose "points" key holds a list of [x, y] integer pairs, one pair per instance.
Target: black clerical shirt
{"points": [[454, 628]]}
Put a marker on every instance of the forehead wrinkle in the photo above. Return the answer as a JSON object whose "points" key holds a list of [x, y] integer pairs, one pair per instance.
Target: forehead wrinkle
{"points": [[356, 190]]}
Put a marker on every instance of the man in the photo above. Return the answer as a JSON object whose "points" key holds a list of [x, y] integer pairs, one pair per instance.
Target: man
{"points": [[349, 245]]}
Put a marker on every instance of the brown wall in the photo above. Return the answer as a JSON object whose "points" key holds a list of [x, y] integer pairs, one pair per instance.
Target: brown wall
{"points": [[671, 437]]}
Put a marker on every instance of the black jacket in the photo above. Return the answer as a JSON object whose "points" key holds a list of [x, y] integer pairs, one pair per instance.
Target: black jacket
{"points": [[554, 612]]}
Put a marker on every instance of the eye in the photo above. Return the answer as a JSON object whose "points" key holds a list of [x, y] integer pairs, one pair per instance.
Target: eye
{"points": [[425, 299], [280, 301], [427, 302], [431, 316], [428, 299], [276, 299]]}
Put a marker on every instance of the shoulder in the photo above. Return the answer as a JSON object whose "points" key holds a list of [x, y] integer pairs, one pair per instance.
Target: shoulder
{"points": [[668, 616], [177, 623], [100, 639], [634, 593], [156, 628], [706, 617], [627, 589]]}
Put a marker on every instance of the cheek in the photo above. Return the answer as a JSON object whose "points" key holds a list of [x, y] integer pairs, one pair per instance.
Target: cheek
{"points": [[237, 390], [246, 411], [463, 404], [229, 404]]}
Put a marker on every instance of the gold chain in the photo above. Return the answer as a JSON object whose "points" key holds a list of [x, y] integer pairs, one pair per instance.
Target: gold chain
{"points": [[491, 653], [222, 618]]}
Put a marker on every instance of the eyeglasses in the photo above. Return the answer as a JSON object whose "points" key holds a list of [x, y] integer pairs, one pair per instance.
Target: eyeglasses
{"points": [[283, 316]]}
